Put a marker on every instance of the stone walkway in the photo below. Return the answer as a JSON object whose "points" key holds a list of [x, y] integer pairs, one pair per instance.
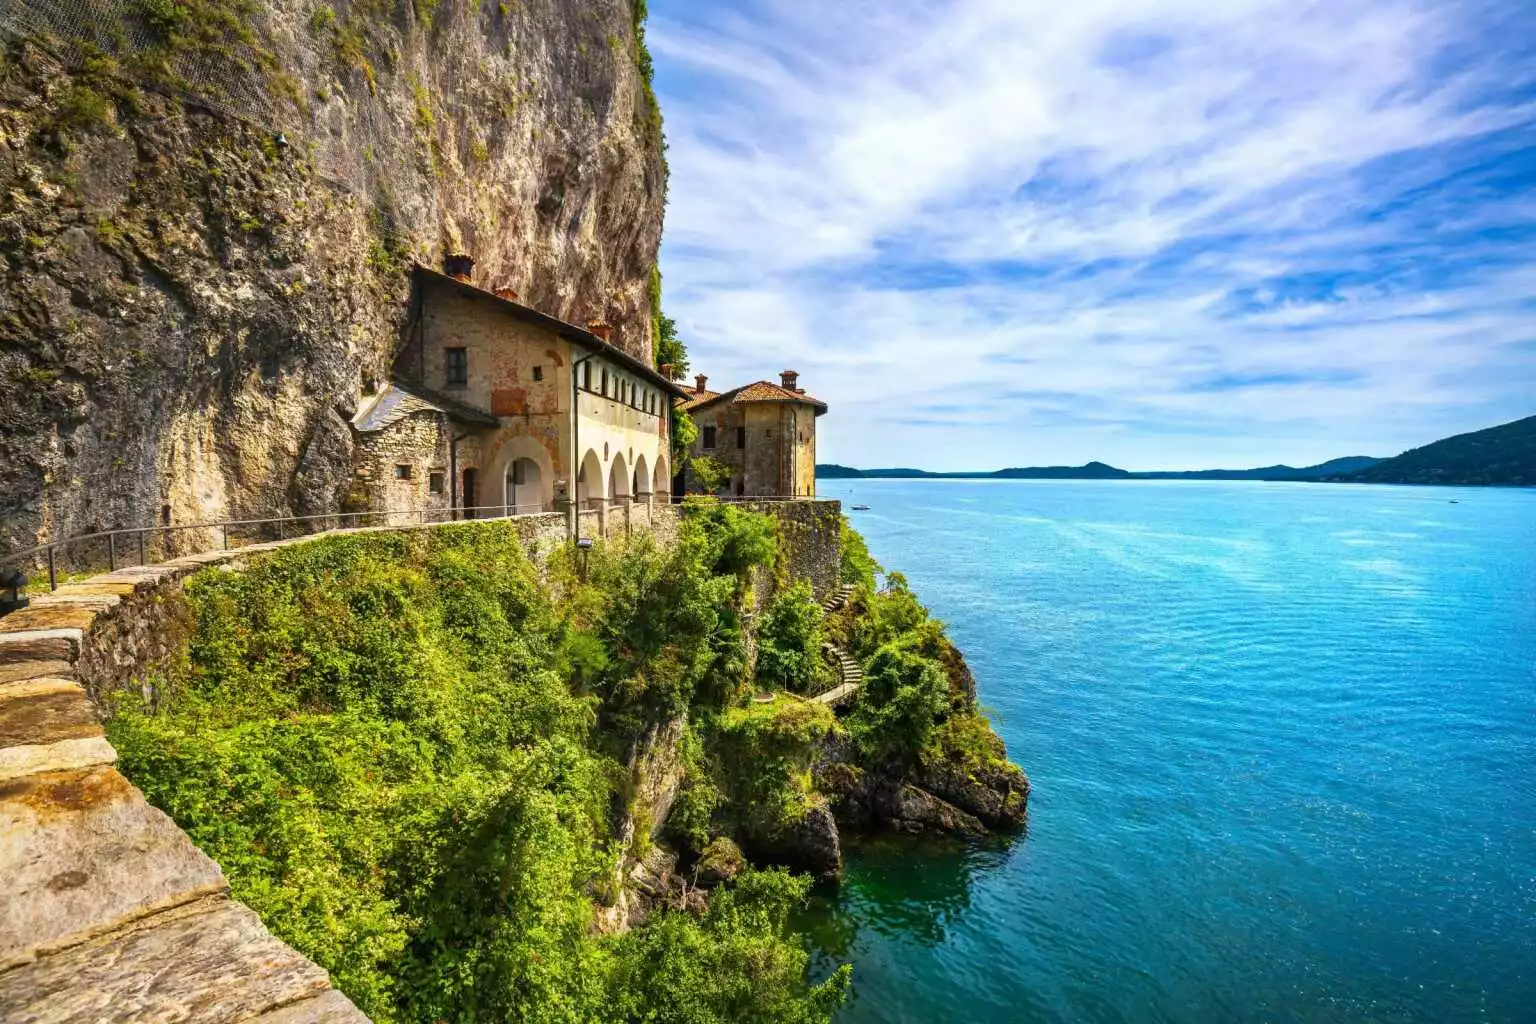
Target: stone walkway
{"points": [[108, 912]]}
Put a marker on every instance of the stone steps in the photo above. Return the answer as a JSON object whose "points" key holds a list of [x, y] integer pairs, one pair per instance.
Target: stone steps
{"points": [[835, 601]]}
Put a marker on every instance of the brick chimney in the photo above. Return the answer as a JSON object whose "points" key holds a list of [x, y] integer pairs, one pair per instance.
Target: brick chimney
{"points": [[458, 266], [699, 380], [601, 328], [787, 379]]}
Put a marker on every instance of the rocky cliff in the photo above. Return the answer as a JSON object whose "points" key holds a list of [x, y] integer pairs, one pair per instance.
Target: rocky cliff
{"points": [[207, 210]]}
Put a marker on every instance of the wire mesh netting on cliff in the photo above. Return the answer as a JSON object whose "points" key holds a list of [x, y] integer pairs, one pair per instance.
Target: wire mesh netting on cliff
{"points": [[208, 52]]}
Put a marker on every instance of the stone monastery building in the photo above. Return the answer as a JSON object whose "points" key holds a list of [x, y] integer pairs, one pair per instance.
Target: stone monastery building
{"points": [[493, 403], [497, 409], [764, 433]]}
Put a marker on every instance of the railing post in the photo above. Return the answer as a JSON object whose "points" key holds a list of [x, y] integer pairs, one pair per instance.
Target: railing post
{"points": [[282, 529], [53, 572], [143, 558], [111, 552], [224, 529]]}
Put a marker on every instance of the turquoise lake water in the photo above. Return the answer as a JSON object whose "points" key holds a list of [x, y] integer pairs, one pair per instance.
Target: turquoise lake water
{"points": [[1282, 739]]}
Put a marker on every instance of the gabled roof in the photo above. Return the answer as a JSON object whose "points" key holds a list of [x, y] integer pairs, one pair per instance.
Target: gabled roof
{"points": [[398, 399], [570, 332], [757, 391]]}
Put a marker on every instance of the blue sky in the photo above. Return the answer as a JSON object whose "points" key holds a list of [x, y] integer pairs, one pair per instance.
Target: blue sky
{"points": [[1159, 233]]}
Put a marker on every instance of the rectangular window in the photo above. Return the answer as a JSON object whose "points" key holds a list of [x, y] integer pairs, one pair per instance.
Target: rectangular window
{"points": [[435, 482], [709, 437], [741, 437], [605, 382], [455, 367], [586, 375], [538, 373], [402, 472]]}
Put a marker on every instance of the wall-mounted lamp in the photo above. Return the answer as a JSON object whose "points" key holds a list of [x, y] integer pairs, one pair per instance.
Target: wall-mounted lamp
{"points": [[584, 545], [13, 591]]}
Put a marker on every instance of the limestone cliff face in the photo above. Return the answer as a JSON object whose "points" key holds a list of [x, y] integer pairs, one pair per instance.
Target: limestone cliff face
{"points": [[206, 225]]}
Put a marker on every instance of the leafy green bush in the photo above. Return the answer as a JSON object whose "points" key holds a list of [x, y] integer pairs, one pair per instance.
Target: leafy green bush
{"points": [[736, 966], [789, 642], [857, 565], [903, 698], [764, 756], [375, 737]]}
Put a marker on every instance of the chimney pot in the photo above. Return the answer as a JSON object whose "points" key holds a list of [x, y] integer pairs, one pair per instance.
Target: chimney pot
{"points": [[787, 379], [601, 328], [459, 266], [506, 293], [699, 380]]}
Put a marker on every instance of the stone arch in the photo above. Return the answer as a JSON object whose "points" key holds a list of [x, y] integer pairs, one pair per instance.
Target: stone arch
{"points": [[522, 477], [618, 479], [590, 484], [661, 483], [642, 484]]}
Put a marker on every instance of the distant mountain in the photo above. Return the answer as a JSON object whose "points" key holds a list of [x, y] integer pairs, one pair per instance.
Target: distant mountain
{"points": [[1101, 471], [1091, 471], [1499, 456], [1333, 467]]}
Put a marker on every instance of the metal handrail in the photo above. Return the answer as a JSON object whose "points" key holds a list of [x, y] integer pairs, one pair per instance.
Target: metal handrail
{"points": [[141, 534]]}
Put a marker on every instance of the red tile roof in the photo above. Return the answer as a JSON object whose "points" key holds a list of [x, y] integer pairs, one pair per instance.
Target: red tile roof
{"points": [[757, 391]]}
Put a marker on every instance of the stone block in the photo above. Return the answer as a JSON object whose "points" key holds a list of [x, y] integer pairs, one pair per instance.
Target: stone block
{"points": [[45, 711], [47, 617], [65, 755], [84, 853], [37, 653], [211, 962], [329, 1008]]}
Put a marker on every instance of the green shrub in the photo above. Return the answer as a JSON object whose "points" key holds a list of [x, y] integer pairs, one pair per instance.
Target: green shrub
{"points": [[901, 701], [789, 642], [764, 754], [375, 737], [735, 966]]}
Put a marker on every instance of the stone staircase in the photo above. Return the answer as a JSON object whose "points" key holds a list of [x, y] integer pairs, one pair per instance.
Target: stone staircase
{"points": [[850, 676], [835, 601]]}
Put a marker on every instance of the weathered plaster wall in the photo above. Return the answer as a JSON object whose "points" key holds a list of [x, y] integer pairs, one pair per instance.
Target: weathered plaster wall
{"points": [[189, 309], [778, 457]]}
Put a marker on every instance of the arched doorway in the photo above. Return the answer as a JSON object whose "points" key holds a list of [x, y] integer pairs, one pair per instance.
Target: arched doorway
{"points": [[642, 480], [618, 480], [524, 487], [589, 485]]}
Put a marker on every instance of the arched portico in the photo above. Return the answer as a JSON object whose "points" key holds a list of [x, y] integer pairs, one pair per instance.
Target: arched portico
{"points": [[618, 479], [589, 486], [661, 479], [642, 479]]}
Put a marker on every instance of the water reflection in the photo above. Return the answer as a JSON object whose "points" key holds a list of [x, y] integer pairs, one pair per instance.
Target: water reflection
{"points": [[899, 888]]}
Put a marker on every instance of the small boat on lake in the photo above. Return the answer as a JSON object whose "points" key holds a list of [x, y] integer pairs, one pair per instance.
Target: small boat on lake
{"points": [[860, 508]]}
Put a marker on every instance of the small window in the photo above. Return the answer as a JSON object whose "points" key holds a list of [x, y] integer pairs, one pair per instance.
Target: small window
{"points": [[768, 433], [605, 382], [402, 472], [269, 368], [741, 437], [709, 437], [435, 482], [455, 367], [586, 375], [538, 373]]}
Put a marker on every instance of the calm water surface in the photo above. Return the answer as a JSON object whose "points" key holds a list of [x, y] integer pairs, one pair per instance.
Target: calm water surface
{"points": [[1283, 745]]}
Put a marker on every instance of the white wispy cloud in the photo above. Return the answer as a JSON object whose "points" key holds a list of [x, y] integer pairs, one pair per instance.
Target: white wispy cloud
{"points": [[1156, 232]]}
